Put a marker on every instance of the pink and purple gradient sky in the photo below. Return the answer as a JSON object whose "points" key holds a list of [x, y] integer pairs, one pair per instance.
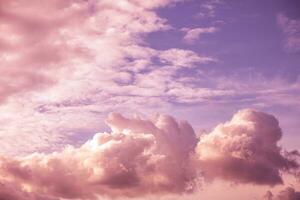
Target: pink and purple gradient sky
{"points": [[231, 69]]}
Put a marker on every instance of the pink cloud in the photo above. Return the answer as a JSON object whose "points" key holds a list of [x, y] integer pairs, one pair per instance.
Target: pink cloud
{"points": [[139, 157], [193, 34], [43, 48], [142, 157], [80, 50], [245, 150]]}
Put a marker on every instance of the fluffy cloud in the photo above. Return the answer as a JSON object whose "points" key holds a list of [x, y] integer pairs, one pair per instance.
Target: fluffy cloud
{"points": [[245, 150], [142, 157], [139, 157]]}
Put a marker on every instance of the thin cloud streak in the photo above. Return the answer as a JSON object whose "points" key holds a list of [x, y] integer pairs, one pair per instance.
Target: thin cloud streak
{"points": [[193, 34]]}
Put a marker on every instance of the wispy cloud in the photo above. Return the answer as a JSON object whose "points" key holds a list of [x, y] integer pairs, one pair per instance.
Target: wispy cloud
{"points": [[193, 34], [208, 8], [291, 31]]}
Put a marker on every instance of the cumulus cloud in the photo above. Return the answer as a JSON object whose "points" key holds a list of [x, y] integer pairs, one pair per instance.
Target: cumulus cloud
{"points": [[158, 156], [139, 157], [245, 150], [193, 34]]}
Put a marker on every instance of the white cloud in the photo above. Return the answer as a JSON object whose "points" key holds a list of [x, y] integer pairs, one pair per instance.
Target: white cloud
{"points": [[193, 34]]}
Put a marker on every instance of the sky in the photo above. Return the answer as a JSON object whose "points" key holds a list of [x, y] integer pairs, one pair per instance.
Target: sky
{"points": [[153, 99]]}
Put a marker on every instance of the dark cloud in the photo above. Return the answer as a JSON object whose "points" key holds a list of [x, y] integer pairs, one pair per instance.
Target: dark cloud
{"points": [[288, 193]]}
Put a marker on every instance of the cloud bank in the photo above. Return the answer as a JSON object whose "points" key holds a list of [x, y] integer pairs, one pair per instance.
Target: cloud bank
{"points": [[158, 156]]}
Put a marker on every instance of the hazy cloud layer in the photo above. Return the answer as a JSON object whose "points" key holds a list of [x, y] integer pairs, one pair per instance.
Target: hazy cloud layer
{"points": [[84, 57]]}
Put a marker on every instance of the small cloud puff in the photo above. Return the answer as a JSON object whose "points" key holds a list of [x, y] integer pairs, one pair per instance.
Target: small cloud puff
{"points": [[193, 34]]}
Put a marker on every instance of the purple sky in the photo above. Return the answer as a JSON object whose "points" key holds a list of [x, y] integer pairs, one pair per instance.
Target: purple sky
{"points": [[254, 56]]}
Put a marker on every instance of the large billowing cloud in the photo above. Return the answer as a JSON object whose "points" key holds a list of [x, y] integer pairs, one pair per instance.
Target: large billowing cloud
{"points": [[138, 157], [158, 156], [245, 150]]}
